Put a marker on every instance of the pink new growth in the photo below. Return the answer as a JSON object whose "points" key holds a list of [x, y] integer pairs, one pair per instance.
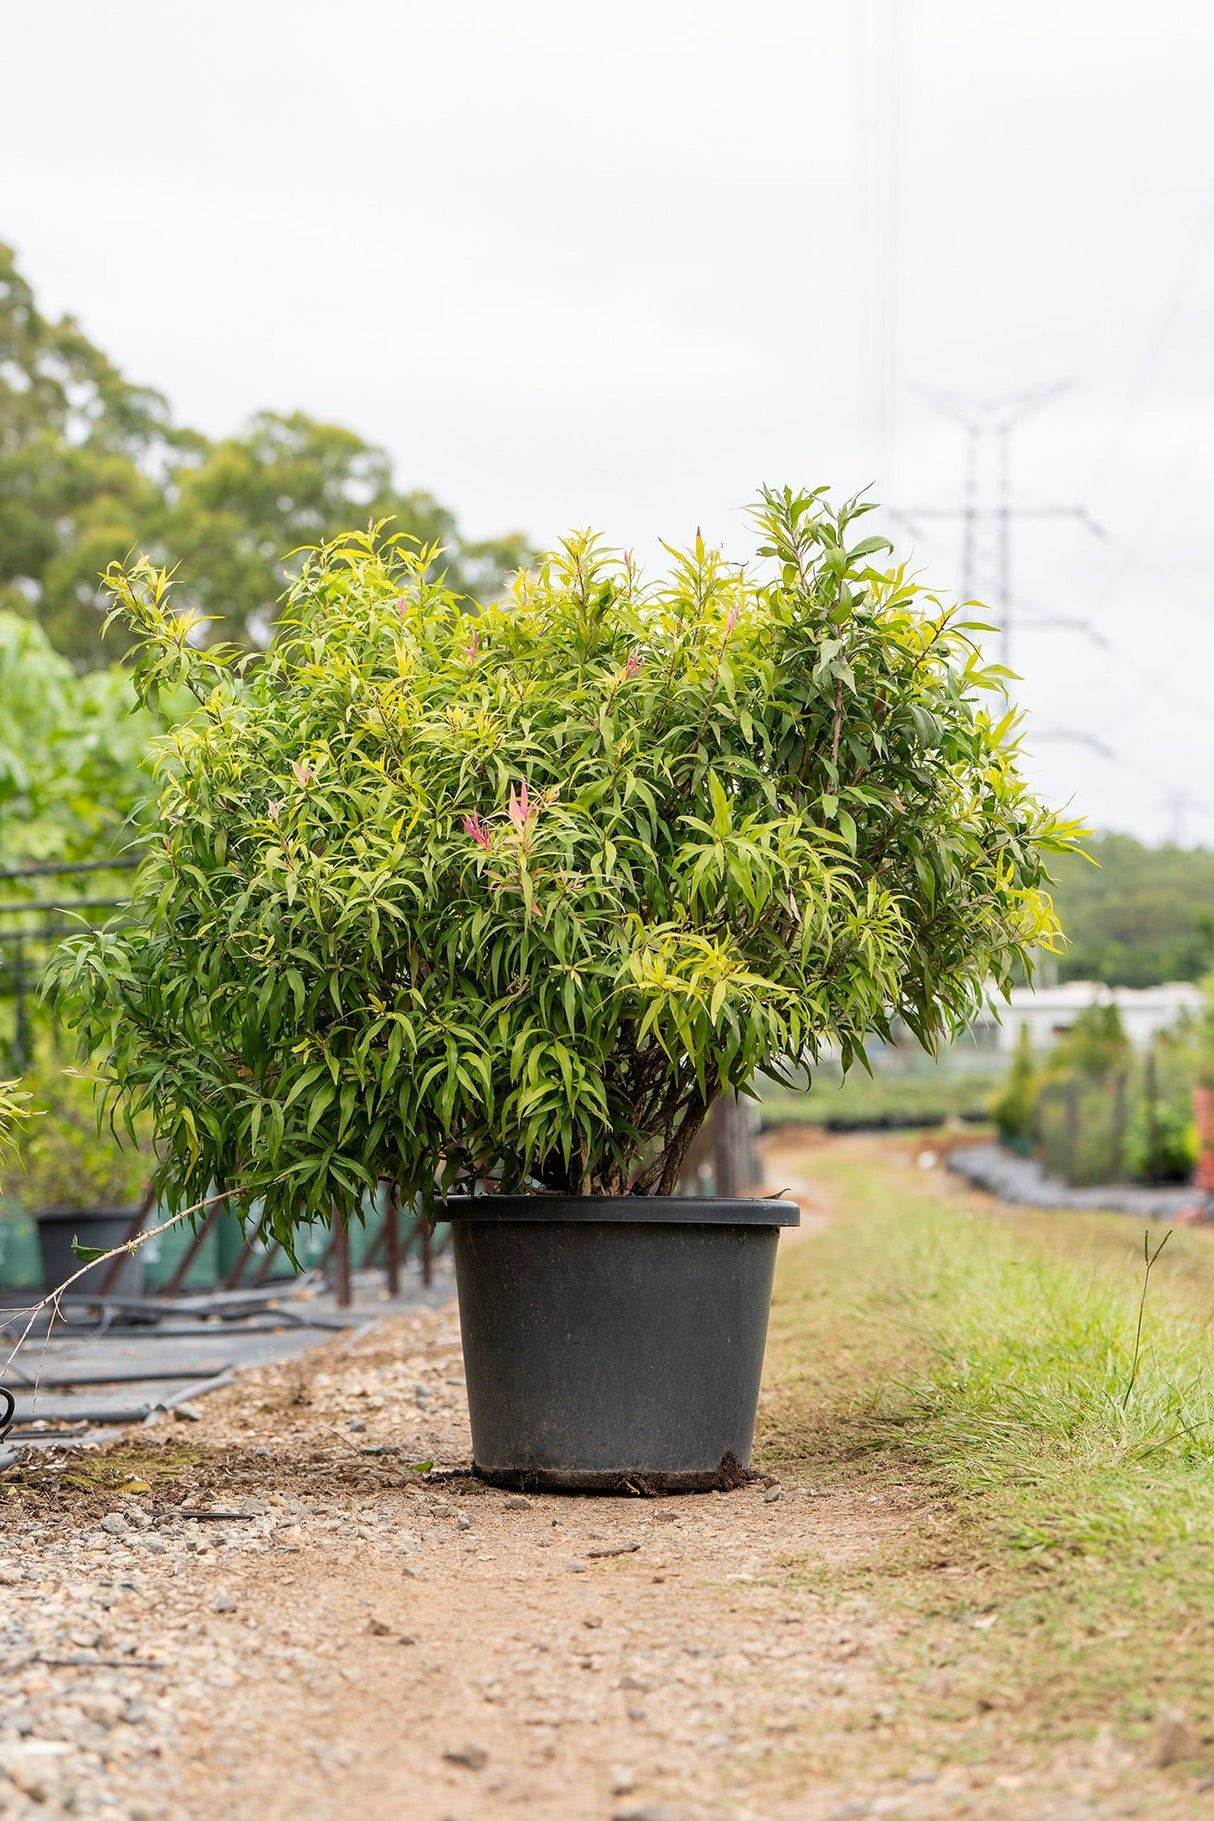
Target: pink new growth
{"points": [[304, 774], [635, 660], [479, 831], [521, 809], [731, 621], [473, 648], [273, 810]]}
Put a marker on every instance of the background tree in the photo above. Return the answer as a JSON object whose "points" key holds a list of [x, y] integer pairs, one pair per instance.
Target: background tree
{"points": [[1140, 916], [79, 450], [251, 501], [71, 752], [93, 468]]}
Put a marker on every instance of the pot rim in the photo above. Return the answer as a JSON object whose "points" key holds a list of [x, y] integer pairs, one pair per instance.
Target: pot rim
{"points": [[635, 1210], [66, 1211]]}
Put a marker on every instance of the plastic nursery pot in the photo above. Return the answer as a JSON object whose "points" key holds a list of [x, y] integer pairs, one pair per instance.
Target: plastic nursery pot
{"points": [[614, 1343], [103, 1227]]}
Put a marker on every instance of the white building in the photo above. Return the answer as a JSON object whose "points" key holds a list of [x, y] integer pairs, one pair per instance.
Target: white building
{"points": [[1049, 1011]]}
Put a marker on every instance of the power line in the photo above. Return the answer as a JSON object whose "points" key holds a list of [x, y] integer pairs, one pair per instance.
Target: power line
{"points": [[987, 514], [1196, 245], [1174, 795], [880, 75], [1049, 622]]}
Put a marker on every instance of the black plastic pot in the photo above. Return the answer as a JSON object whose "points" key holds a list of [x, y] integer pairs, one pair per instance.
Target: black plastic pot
{"points": [[102, 1227], [614, 1343]]}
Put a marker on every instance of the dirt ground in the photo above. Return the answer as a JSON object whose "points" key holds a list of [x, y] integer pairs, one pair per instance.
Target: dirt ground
{"points": [[354, 1640]]}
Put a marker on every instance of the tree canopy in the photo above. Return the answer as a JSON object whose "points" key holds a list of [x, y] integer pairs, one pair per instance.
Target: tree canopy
{"points": [[1140, 916], [71, 752], [92, 468]]}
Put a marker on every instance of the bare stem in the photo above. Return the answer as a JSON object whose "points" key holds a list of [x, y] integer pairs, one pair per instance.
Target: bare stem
{"points": [[54, 1298], [1149, 1259]]}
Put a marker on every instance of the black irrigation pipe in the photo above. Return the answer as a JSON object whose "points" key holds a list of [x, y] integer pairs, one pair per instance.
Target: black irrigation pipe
{"points": [[55, 906], [57, 1382], [106, 1414], [44, 869]]}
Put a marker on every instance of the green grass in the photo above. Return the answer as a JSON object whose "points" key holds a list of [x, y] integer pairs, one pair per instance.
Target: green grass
{"points": [[980, 1365], [927, 1097], [1017, 1378]]}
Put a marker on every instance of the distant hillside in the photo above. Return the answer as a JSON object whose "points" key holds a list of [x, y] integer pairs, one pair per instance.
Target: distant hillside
{"points": [[1141, 916]]}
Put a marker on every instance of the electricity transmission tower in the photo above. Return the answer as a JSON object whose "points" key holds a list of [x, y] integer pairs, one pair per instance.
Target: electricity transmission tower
{"points": [[986, 512]]}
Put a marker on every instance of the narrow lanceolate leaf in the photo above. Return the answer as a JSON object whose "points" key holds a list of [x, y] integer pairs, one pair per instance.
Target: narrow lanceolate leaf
{"points": [[443, 906]]}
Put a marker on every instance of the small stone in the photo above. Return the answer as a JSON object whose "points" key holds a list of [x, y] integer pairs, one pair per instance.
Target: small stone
{"points": [[421, 1396], [253, 1508], [471, 1757], [114, 1524], [772, 1494], [1174, 1740], [156, 1544], [463, 1523], [634, 1685], [636, 1713], [668, 1517], [187, 1413], [623, 1782], [102, 1708], [648, 1811], [575, 1567], [378, 1629], [516, 1502], [33, 1767], [224, 1602], [356, 1424]]}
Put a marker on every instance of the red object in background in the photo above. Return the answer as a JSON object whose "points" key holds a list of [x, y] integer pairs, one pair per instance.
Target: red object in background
{"points": [[1203, 1118]]}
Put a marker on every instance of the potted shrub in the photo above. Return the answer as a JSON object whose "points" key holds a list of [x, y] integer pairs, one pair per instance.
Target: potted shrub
{"points": [[496, 905], [78, 1181]]}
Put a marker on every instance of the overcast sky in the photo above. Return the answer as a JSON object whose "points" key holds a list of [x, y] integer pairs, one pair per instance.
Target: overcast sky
{"points": [[621, 263]]}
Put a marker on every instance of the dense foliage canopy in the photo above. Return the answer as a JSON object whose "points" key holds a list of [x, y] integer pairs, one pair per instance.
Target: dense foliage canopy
{"points": [[93, 467], [510, 898]]}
